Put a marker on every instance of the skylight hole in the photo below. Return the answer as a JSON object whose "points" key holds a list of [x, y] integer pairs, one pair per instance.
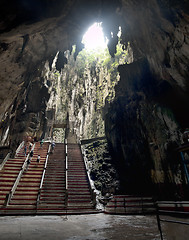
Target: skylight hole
{"points": [[94, 37]]}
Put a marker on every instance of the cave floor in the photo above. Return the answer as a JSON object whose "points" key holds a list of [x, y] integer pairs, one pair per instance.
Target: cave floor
{"points": [[79, 227]]}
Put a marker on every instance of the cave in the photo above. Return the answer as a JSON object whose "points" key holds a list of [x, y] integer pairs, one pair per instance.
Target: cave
{"points": [[142, 107]]}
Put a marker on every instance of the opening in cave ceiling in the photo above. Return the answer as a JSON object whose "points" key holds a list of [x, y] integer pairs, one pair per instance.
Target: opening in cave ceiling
{"points": [[85, 86], [94, 37]]}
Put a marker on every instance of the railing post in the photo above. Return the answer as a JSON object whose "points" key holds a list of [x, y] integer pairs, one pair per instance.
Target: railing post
{"points": [[142, 203], [93, 197], [124, 204], [115, 202], [66, 168], [19, 147], [92, 190], [158, 220], [43, 175]]}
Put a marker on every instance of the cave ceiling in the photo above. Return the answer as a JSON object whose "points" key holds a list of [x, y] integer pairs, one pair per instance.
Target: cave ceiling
{"points": [[32, 32]]}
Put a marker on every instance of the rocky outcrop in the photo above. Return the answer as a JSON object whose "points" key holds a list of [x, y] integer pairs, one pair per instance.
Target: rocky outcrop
{"points": [[101, 169]]}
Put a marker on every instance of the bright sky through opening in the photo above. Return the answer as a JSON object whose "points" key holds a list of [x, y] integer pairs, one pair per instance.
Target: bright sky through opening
{"points": [[94, 37]]}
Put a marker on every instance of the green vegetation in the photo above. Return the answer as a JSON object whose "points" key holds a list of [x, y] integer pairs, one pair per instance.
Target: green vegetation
{"points": [[85, 85], [101, 57]]}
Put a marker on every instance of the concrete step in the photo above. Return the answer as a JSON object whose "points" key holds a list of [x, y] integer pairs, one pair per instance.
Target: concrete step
{"points": [[59, 202], [4, 192], [2, 201], [26, 193], [22, 202], [54, 193], [26, 188], [15, 168], [8, 179], [78, 185], [79, 197], [30, 180], [44, 206], [79, 207], [8, 175], [28, 184], [25, 197], [55, 179], [12, 171], [5, 184], [53, 198], [21, 207], [81, 176]]}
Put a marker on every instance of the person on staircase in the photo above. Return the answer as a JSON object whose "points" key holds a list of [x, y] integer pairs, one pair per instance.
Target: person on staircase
{"points": [[41, 143], [31, 155], [52, 146], [30, 146], [29, 159], [38, 158]]}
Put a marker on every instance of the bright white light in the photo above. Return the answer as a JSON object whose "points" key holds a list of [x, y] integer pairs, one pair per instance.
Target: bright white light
{"points": [[94, 37]]}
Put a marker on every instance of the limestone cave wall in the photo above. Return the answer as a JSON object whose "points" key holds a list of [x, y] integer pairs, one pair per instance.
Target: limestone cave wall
{"points": [[145, 121]]}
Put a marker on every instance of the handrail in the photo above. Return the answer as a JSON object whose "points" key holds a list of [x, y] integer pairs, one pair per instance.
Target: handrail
{"points": [[172, 221], [4, 161], [13, 189], [19, 147], [92, 190], [173, 212], [159, 220], [43, 175], [66, 168]]}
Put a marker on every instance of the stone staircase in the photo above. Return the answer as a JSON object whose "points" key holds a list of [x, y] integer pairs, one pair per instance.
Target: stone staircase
{"points": [[65, 188], [25, 196], [127, 204], [8, 176], [79, 193], [52, 197]]}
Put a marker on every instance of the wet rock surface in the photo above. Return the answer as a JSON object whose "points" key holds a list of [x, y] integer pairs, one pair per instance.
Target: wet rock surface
{"points": [[101, 167]]}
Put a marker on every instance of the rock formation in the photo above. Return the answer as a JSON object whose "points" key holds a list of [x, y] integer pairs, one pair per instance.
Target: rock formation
{"points": [[144, 123]]}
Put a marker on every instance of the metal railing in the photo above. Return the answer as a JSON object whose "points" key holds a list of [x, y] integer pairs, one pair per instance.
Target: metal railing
{"points": [[19, 147], [92, 190], [43, 176], [8, 155], [137, 203], [4, 161], [169, 213], [66, 168], [13, 189]]}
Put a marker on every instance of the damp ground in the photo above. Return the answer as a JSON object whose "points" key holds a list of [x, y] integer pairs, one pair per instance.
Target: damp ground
{"points": [[79, 227]]}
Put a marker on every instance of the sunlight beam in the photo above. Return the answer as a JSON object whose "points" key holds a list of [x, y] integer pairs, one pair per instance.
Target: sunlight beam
{"points": [[94, 37]]}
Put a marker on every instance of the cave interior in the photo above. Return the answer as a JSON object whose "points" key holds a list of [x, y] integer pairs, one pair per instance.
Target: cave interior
{"points": [[139, 105]]}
